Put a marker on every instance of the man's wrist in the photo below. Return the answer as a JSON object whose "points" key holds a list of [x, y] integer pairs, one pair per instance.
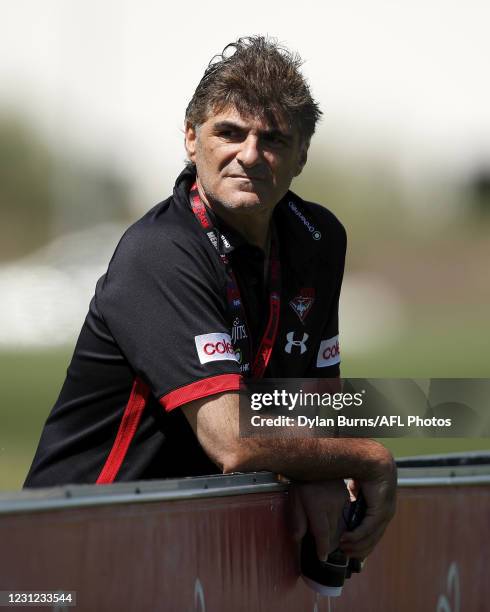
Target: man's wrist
{"points": [[380, 464]]}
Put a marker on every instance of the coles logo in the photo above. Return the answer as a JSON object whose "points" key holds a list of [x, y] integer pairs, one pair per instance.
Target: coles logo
{"points": [[328, 353], [214, 347]]}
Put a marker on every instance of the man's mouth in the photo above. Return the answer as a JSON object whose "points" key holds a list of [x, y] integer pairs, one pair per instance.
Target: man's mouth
{"points": [[244, 177]]}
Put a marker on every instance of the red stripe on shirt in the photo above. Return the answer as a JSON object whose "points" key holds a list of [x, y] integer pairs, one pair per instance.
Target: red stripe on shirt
{"points": [[201, 388], [127, 429]]}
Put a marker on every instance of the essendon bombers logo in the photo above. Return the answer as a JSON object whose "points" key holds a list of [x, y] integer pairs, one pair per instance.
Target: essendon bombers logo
{"points": [[303, 302], [328, 353], [215, 347]]}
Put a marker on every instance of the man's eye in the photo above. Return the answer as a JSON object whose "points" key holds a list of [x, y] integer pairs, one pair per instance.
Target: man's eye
{"points": [[274, 139], [230, 134]]}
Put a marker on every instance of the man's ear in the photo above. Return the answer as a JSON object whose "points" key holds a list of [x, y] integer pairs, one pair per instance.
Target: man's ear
{"points": [[190, 141], [303, 156]]}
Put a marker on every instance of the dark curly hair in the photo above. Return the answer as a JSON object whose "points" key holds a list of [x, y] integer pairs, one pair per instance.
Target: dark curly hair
{"points": [[258, 77]]}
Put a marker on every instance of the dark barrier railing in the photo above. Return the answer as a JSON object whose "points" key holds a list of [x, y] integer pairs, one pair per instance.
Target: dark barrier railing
{"points": [[223, 543]]}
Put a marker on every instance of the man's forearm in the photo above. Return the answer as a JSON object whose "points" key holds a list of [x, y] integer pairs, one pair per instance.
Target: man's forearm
{"points": [[215, 422], [314, 458]]}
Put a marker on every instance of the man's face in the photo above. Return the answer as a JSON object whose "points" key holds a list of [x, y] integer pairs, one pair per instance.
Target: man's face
{"points": [[244, 164]]}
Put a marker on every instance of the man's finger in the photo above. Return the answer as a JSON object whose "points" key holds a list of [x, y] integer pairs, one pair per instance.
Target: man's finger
{"points": [[353, 488], [320, 529], [370, 524], [363, 547]]}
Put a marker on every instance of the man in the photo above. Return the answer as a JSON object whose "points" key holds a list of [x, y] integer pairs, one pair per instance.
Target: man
{"points": [[232, 277]]}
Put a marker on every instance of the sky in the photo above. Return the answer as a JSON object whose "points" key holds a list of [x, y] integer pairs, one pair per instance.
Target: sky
{"points": [[112, 78]]}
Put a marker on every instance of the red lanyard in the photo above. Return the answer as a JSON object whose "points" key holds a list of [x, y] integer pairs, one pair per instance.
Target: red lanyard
{"points": [[235, 303]]}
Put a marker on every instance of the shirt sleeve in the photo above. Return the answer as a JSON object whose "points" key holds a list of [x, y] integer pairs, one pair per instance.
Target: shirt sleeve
{"points": [[327, 354], [163, 299]]}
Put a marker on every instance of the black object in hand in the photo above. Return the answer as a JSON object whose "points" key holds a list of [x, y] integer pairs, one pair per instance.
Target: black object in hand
{"points": [[327, 577]]}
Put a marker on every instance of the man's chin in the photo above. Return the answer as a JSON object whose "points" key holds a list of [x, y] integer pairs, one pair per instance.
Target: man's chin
{"points": [[244, 200]]}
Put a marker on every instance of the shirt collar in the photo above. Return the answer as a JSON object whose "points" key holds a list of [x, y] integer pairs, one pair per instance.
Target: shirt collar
{"points": [[228, 239]]}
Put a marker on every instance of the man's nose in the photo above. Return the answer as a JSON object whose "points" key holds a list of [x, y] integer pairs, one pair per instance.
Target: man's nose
{"points": [[249, 153]]}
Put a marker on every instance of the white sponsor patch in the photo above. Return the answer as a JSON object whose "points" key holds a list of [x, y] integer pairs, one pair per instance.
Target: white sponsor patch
{"points": [[329, 353], [214, 347]]}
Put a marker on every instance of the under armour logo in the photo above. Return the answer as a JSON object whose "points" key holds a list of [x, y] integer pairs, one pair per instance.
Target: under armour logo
{"points": [[292, 342]]}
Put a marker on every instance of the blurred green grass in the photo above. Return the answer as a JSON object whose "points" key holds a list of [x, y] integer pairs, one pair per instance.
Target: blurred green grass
{"points": [[443, 345], [437, 348], [30, 382]]}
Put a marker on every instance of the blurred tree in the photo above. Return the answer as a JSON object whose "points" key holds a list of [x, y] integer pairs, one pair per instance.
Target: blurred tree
{"points": [[479, 188], [25, 167], [44, 193], [365, 193]]}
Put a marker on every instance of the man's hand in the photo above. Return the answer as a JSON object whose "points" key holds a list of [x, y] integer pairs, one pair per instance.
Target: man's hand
{"points": [[215, 421], [318, 507], [380, 496]]}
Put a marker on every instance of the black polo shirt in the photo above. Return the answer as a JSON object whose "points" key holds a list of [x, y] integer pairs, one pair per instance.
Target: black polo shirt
{"points": [[158, 335]]}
